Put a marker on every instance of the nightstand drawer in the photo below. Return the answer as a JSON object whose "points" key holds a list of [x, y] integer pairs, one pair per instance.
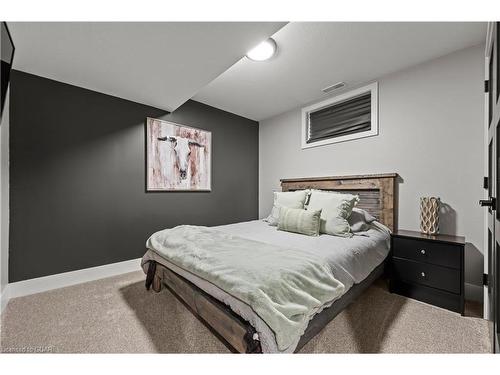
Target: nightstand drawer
{"points": [[443, 278], [441, 254]]}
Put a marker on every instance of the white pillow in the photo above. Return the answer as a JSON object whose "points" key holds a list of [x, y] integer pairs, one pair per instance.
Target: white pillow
{"points": [[273, 217], [288, 199], [291, 199], [335, 210]]}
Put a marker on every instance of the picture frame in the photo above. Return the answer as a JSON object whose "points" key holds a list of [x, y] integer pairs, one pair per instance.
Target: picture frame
{"points": [[6, 59], [178, 157]]}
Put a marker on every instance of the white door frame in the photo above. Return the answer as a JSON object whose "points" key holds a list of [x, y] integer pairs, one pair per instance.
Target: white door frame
{"points": [[489, 40]]}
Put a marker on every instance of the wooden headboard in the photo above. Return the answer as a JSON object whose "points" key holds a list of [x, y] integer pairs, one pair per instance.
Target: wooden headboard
{"points": [[377, 192]]}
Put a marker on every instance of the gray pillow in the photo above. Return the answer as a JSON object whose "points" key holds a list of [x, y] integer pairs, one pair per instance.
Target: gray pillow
{"points": [[360, 220], [299, 221]]}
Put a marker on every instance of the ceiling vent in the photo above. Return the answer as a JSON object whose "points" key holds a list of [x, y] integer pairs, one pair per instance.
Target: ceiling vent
{"points": [[331, 88]]}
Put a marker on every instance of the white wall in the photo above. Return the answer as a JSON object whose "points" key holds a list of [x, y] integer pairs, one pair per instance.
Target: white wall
{"points": [[431, 133], [4, 197]]}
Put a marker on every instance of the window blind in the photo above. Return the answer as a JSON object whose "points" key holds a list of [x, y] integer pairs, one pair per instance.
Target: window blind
{"points": [[347, 117]]}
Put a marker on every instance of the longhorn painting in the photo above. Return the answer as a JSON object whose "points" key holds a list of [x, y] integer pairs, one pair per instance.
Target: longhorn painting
{"points": [[178, 156]]}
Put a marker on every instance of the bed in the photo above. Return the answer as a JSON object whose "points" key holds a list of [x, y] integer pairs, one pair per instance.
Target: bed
{"points": [[356, 262]]}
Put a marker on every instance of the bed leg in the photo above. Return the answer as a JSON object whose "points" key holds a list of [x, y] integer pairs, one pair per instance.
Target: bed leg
{"points": [[151, 274], [157, 284], [253, 346]]}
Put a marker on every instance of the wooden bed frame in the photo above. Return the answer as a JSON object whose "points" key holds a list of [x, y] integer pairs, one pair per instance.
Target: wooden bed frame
{"points": [[378, 196]]}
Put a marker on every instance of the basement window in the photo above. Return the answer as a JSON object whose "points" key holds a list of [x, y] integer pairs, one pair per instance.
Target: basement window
{"points": [[344, 117]]}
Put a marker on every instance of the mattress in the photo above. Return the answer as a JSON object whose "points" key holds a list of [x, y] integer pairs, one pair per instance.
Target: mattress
{"points": [[351, 260]]}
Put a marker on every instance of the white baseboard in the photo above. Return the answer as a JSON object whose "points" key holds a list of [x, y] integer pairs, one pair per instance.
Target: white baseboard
{"points": [[4, 298], [473, 292], [60, 280]]}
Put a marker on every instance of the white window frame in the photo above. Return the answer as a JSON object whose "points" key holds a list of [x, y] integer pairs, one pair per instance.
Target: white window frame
{"points": [[372, 88]]}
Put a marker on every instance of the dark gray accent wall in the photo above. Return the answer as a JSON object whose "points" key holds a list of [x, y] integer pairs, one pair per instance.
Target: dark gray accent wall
{"points": [[77, 176]]}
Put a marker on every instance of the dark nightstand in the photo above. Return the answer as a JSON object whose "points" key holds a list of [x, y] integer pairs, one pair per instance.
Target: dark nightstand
{"points": [[429, 268]]}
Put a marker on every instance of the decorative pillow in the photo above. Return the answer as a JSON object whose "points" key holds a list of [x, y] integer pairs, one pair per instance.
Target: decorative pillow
{"points": [[289, 199], [360, 220], [335, 210], [299, 221]]}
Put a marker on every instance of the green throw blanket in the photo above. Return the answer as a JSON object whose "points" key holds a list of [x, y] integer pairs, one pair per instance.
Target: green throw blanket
{"points": [[284, 286]]}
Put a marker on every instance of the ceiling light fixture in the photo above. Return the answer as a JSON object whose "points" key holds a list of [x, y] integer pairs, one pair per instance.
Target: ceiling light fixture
{"points": [[264, 51]]}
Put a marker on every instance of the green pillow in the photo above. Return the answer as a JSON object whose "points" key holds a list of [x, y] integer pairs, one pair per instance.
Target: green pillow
{"points": [[299, 221]]}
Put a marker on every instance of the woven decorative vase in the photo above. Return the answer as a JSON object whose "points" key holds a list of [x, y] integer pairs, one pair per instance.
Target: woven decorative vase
{"points": [[429, 215]]}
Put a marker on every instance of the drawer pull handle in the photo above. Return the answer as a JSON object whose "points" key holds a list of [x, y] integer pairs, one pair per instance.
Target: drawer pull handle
{"points": [[423, 274], [422, 252]]}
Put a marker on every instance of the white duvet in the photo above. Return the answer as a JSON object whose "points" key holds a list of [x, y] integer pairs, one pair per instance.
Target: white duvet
{"points": [[352, 259]]}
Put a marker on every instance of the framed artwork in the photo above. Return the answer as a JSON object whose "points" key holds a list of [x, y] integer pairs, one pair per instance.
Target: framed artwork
{"points": [[6, 58], [178, 157]]}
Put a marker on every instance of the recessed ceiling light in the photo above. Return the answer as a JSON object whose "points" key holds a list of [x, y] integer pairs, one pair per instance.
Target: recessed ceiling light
{"points": [[264, 51]]}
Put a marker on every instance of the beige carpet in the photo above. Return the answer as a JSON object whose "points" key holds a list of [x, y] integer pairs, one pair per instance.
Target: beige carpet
{"points": [[118, 315]]}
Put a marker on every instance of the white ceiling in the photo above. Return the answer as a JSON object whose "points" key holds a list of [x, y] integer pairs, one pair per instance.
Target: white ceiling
{"points": [[160, 64], [312, 56]]}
